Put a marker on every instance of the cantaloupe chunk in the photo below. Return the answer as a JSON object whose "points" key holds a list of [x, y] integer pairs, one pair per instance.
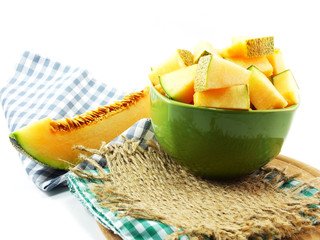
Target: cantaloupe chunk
{"points": [[261, 63], [277, 62], [50, 142], [203, 48], [235, 97], [215, 72], [287, 86], [249, 47], [263, 94], [179, 59], [179, 85]]}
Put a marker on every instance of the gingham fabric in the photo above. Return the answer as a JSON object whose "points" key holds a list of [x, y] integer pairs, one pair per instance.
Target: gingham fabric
{"points": [[42, 88]]}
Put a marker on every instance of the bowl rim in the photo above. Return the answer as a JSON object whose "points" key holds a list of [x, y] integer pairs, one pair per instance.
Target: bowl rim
{"points": [[176, 103]]}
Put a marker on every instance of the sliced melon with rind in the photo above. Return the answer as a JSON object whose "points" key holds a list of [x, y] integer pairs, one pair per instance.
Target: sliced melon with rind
{"points": [[179, 59], [235, 97], [263, 94], [249, 47], [287, 86], [215, 72], [50, 142], [179, 85]]}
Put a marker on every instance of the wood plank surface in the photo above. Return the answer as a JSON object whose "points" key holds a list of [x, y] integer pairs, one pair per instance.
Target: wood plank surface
{"points": [[306, 173]]}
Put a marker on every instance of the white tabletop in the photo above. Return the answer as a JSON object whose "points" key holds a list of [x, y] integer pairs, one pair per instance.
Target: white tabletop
{"points": [[118, 42]]}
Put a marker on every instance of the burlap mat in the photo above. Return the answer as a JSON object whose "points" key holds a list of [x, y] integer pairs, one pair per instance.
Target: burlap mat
{"points": [[147, 184]]}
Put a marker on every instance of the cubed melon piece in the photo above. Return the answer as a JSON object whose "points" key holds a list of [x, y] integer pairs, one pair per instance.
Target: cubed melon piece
{"points": [[263, 94], [249, 47], [287, 86], [261, 63], [215, 72], [235, 97], [203, 48], [179, 59], [179, 85], [277, 62]]}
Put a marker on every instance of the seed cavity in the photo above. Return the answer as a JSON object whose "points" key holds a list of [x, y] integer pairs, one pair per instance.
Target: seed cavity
{"points": [[94, 116]]}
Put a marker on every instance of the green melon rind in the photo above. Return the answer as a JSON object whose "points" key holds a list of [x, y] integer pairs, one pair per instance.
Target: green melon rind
{"points": [[164, 88], [285, 71], [203, 54], [14, 139], [255, 70]]}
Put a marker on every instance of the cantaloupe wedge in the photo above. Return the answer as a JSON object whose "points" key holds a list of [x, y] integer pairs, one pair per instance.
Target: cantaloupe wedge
{"points": [[261, 63], [287, 86], [249, 47], [179, 59], [277, 62], [50, 142], [203, 48], [235, 97], [179, 85], [215, 72], [263, 94]]}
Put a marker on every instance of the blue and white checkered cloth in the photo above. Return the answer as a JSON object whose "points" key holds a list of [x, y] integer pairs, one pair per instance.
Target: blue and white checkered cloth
{"points": [[42, 88]]}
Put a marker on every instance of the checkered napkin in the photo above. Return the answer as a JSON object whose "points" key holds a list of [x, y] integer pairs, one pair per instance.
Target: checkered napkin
{"points": [[42, 88]]}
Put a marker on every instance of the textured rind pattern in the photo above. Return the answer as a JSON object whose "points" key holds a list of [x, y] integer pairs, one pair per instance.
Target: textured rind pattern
{"points": [[186, 57], [202, 72], [260, 46]]}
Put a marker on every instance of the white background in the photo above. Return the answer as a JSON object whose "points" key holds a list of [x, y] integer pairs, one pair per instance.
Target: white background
{"points": [[118, 42]]}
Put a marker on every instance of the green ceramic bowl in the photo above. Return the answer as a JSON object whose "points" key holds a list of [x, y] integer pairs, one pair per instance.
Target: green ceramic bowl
{"points": [[216, 143]]}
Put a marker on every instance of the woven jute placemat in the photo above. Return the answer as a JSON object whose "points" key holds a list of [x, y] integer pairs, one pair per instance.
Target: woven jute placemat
{"points": [[147, 184]]}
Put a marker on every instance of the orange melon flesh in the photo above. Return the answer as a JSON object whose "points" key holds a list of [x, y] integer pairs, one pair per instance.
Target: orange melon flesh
{"points": [[179, 85], [261, 63], [287, 86], [263, 94], [249, 47], [215, 72], [160, 89], [179, 59], [277, 62], [235, 97], [50, 142]]}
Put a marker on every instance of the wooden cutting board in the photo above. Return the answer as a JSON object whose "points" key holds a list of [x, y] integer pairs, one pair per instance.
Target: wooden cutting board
{"points": [[307, 173]]}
